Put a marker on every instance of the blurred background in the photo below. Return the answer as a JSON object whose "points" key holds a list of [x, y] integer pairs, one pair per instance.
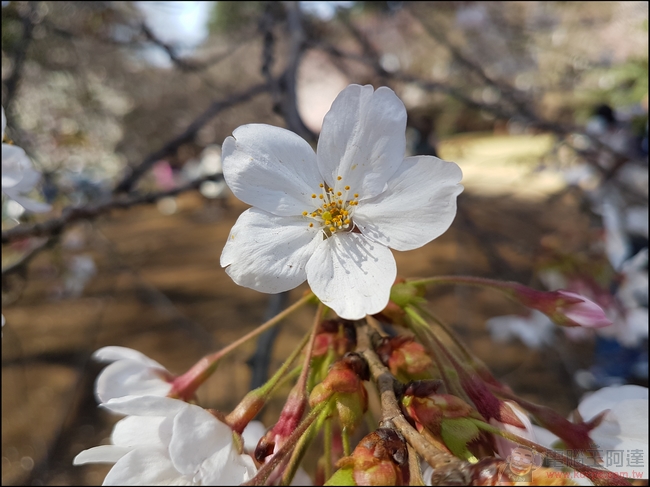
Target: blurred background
{"points": [[123, 106]]}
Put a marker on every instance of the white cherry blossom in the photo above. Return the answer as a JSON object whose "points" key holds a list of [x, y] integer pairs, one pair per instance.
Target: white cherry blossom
{"points": [[165, 441], [331, 217], [18, 175], [623, 430], [131, 374], [535, 330]]}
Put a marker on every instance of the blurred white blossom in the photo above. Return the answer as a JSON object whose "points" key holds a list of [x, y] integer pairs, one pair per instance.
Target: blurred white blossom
{"points": [[165, 441], [131, 373], [18, 175], [535, 330]]}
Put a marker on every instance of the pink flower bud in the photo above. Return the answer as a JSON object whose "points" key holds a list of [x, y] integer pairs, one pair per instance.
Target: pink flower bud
{"points": [[406, 358], [564, 308], [380, 458]]}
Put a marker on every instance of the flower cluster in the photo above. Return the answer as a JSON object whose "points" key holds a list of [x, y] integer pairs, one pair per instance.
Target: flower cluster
{"points": [[330, 217]]}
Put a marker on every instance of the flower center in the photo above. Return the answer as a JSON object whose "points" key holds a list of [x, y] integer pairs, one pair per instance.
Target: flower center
{"points": [[335, 211]]}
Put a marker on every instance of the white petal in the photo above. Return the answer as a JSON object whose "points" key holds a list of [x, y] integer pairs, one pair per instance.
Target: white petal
{"points": [[145, 467], [505, 447], [27, 203], [29, 180], [269, 253], [608, 397], [625, 427], [14, 164], [113, 354], [141, 431], [252, 434], [418, 205], [271, 168], [197, 436], [145, 405], [352, 275], [363, 139], [227, 467], [101, 454], [4, 122], [129, 378]]}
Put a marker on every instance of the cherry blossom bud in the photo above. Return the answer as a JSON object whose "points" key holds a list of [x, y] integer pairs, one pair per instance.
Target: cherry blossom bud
{"points": [[380, 458], [289, 420], [429, 411], [574, 435], [487, 403], [401, 294], [337, 335], [406, 358], [343, 385], [564, 308], [246, 410]]}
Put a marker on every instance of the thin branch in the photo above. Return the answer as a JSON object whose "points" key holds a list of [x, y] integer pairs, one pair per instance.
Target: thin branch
{"points": [[392, 413], [170, 147], [290, 78], [71, 214], [29, 255], [19, 58], [371, 58]]}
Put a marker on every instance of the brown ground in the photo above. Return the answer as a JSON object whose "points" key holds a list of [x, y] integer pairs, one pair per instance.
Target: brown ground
{"points": [[160, 290]]}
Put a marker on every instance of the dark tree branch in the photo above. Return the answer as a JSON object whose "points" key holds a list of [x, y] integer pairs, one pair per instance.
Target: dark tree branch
{"points": [[71, 214], [170, 147], [19, 58]]}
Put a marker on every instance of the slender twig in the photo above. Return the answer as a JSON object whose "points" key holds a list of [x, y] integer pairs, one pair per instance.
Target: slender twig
{"points": [[11, 85], [290, 78], [391, 412], [267, 469], [71, 214], [28, 256], [190, 132]]}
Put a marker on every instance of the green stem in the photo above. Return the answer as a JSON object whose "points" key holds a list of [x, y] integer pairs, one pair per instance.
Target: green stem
{"points": [[504, 286], [185, 385], [301, 448], [265, 471], [278, 378], [345, 439], [423, 331], [327, 434]]}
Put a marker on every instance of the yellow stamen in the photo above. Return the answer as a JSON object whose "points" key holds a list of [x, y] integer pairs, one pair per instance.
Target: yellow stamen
{"points": [[339, 178]]}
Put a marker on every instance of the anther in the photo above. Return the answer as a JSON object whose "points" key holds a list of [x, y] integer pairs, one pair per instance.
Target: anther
{"points": [[339, 178]]}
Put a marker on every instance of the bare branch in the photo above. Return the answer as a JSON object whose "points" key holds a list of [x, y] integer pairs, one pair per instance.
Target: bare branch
{"points": [[392, 414], [19, 58], [170, 147], [71, 214]]}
